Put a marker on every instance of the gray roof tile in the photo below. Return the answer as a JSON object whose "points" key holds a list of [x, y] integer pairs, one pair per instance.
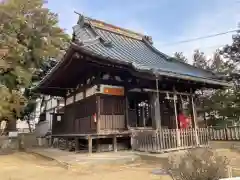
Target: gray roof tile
{"points": [[137, 52], [110, 42]]}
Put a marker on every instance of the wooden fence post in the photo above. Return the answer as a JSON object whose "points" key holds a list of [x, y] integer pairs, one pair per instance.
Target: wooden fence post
{"points": [[226, 132]]}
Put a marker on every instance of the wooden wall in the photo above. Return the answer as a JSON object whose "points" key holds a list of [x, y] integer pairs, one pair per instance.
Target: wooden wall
{"points": [[112, 113], [77, 118]]}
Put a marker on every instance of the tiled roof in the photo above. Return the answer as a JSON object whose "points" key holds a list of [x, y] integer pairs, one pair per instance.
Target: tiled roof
{"points": [[116, 43]]}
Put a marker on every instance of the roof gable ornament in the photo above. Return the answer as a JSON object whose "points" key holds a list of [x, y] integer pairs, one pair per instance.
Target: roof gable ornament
{"points": [[108, 27], [149, 39], [85, 20], [80, 19]]}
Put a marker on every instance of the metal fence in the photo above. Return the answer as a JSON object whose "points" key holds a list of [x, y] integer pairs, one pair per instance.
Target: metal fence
{"points": [[169, 139]]}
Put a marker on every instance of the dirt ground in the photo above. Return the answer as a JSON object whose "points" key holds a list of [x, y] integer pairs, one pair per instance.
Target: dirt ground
{"points": [[23, 166]]}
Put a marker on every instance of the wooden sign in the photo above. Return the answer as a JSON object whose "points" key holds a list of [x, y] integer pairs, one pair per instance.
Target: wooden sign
{"points": [[115, 91]]}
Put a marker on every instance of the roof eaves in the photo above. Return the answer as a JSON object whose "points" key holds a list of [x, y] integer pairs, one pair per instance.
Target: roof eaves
{"points": [[172, 58], [154, 71], [56, 67], [203, 80]]}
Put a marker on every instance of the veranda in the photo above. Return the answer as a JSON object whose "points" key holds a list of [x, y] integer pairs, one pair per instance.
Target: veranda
{"points": [[167, 134]]}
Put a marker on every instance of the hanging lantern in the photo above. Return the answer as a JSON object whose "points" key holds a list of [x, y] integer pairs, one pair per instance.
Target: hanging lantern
{"points": [[175, 97], [167, 96]]}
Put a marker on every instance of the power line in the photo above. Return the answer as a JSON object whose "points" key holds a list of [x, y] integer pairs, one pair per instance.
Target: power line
{"points": [[199, 38]]}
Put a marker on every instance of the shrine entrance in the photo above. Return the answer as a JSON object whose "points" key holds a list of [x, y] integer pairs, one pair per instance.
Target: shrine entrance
{"points": [[139, 110]]}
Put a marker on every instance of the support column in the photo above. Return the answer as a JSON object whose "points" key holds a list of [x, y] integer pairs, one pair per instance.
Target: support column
{"points": [[66, 144], [176, 119], [98, 145], [115, 143], [156, 109], [98, 114], [126, 111], [194, 121], [89, 144], [76, 144]]}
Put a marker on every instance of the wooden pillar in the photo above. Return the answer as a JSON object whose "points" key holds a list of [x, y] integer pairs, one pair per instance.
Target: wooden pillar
{"points": [[156, 109], [176, 119], [126, 109], [98, 145], [126, 112], [98, 114], [89, 144], [194, 120], [76, 144], [115, 143], [66, 144]]}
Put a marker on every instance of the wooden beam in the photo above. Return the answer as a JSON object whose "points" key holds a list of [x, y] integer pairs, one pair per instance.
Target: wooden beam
{"points": [[170, 92]]}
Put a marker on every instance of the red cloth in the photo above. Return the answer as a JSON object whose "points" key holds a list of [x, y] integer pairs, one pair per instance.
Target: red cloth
{"points": [[183, 121]]}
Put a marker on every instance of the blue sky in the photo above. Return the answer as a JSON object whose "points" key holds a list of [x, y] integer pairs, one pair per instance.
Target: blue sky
{"points": [[166, 21]]}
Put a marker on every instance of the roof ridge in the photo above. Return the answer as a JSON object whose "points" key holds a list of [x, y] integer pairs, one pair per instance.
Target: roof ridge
{"points": [[110, 27], [150, 45]]}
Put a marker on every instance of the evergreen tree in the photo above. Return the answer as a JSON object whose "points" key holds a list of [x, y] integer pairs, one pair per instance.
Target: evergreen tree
{"points": [[180, 56], [29, 35], [232, 51], [221, 106], [200, 60]]}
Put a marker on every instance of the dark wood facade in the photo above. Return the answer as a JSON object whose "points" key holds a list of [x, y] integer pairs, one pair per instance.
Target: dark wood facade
{"points": [[94, 114], [118, 82]]}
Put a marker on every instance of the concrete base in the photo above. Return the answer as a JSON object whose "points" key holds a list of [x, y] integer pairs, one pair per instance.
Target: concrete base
{"points": [[70, 159]]}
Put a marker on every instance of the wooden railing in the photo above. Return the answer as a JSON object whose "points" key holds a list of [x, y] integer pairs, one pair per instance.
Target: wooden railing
{"points": [[168, 140], [231, 133]]}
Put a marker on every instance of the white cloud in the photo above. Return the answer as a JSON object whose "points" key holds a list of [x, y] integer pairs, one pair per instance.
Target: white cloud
{"points": [[223, 18]]}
